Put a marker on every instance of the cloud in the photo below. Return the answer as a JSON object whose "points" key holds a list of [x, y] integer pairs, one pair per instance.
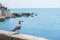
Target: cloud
{"points": [[31, 3]]}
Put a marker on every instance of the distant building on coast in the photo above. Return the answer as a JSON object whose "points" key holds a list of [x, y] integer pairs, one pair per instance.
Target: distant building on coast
{"points": [[0, 13], [4, 11]]}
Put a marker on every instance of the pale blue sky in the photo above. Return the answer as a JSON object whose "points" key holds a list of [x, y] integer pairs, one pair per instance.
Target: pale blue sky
{"points": [[31, 3]]}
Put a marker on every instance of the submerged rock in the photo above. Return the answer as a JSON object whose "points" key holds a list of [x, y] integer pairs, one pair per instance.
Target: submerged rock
{"points": [[2, 19]]}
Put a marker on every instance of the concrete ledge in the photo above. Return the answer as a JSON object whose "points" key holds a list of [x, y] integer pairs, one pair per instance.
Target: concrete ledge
{"points": [[6, 35]]}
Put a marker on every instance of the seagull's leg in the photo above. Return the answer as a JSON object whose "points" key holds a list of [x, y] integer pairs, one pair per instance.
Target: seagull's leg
{"points": [[18, 31]]}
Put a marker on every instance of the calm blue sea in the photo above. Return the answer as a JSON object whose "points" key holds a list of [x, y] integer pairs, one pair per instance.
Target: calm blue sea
{"points": [[46, 24]]}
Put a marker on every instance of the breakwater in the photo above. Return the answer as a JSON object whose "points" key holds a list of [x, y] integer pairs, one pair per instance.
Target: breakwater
{"points": [[6, 35]]}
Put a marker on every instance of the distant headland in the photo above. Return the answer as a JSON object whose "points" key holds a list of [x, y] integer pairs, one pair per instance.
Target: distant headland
{"points": [[6, 13]]}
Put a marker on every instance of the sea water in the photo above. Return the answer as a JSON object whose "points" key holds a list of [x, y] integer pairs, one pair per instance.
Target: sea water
{"points": [[46, 24]]}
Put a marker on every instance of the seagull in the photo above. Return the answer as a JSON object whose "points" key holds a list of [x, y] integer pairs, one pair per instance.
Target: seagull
{"points": [[18, 26]]}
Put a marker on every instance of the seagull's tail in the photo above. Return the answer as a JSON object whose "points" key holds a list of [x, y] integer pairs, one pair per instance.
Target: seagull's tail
{"points": [[14, 30]]}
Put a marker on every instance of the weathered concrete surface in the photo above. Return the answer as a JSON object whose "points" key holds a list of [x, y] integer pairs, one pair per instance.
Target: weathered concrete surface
{"points": [[6, 35]]}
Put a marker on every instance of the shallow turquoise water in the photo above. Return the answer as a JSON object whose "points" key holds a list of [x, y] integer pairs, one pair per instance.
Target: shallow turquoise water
{"points": [[46, 24]]}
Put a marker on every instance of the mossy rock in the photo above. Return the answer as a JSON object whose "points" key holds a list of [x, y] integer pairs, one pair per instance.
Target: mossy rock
{"points": [[2, 19]]}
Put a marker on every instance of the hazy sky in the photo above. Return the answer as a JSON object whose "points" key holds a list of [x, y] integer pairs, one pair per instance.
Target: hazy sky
{"points": [[31, 3]]}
